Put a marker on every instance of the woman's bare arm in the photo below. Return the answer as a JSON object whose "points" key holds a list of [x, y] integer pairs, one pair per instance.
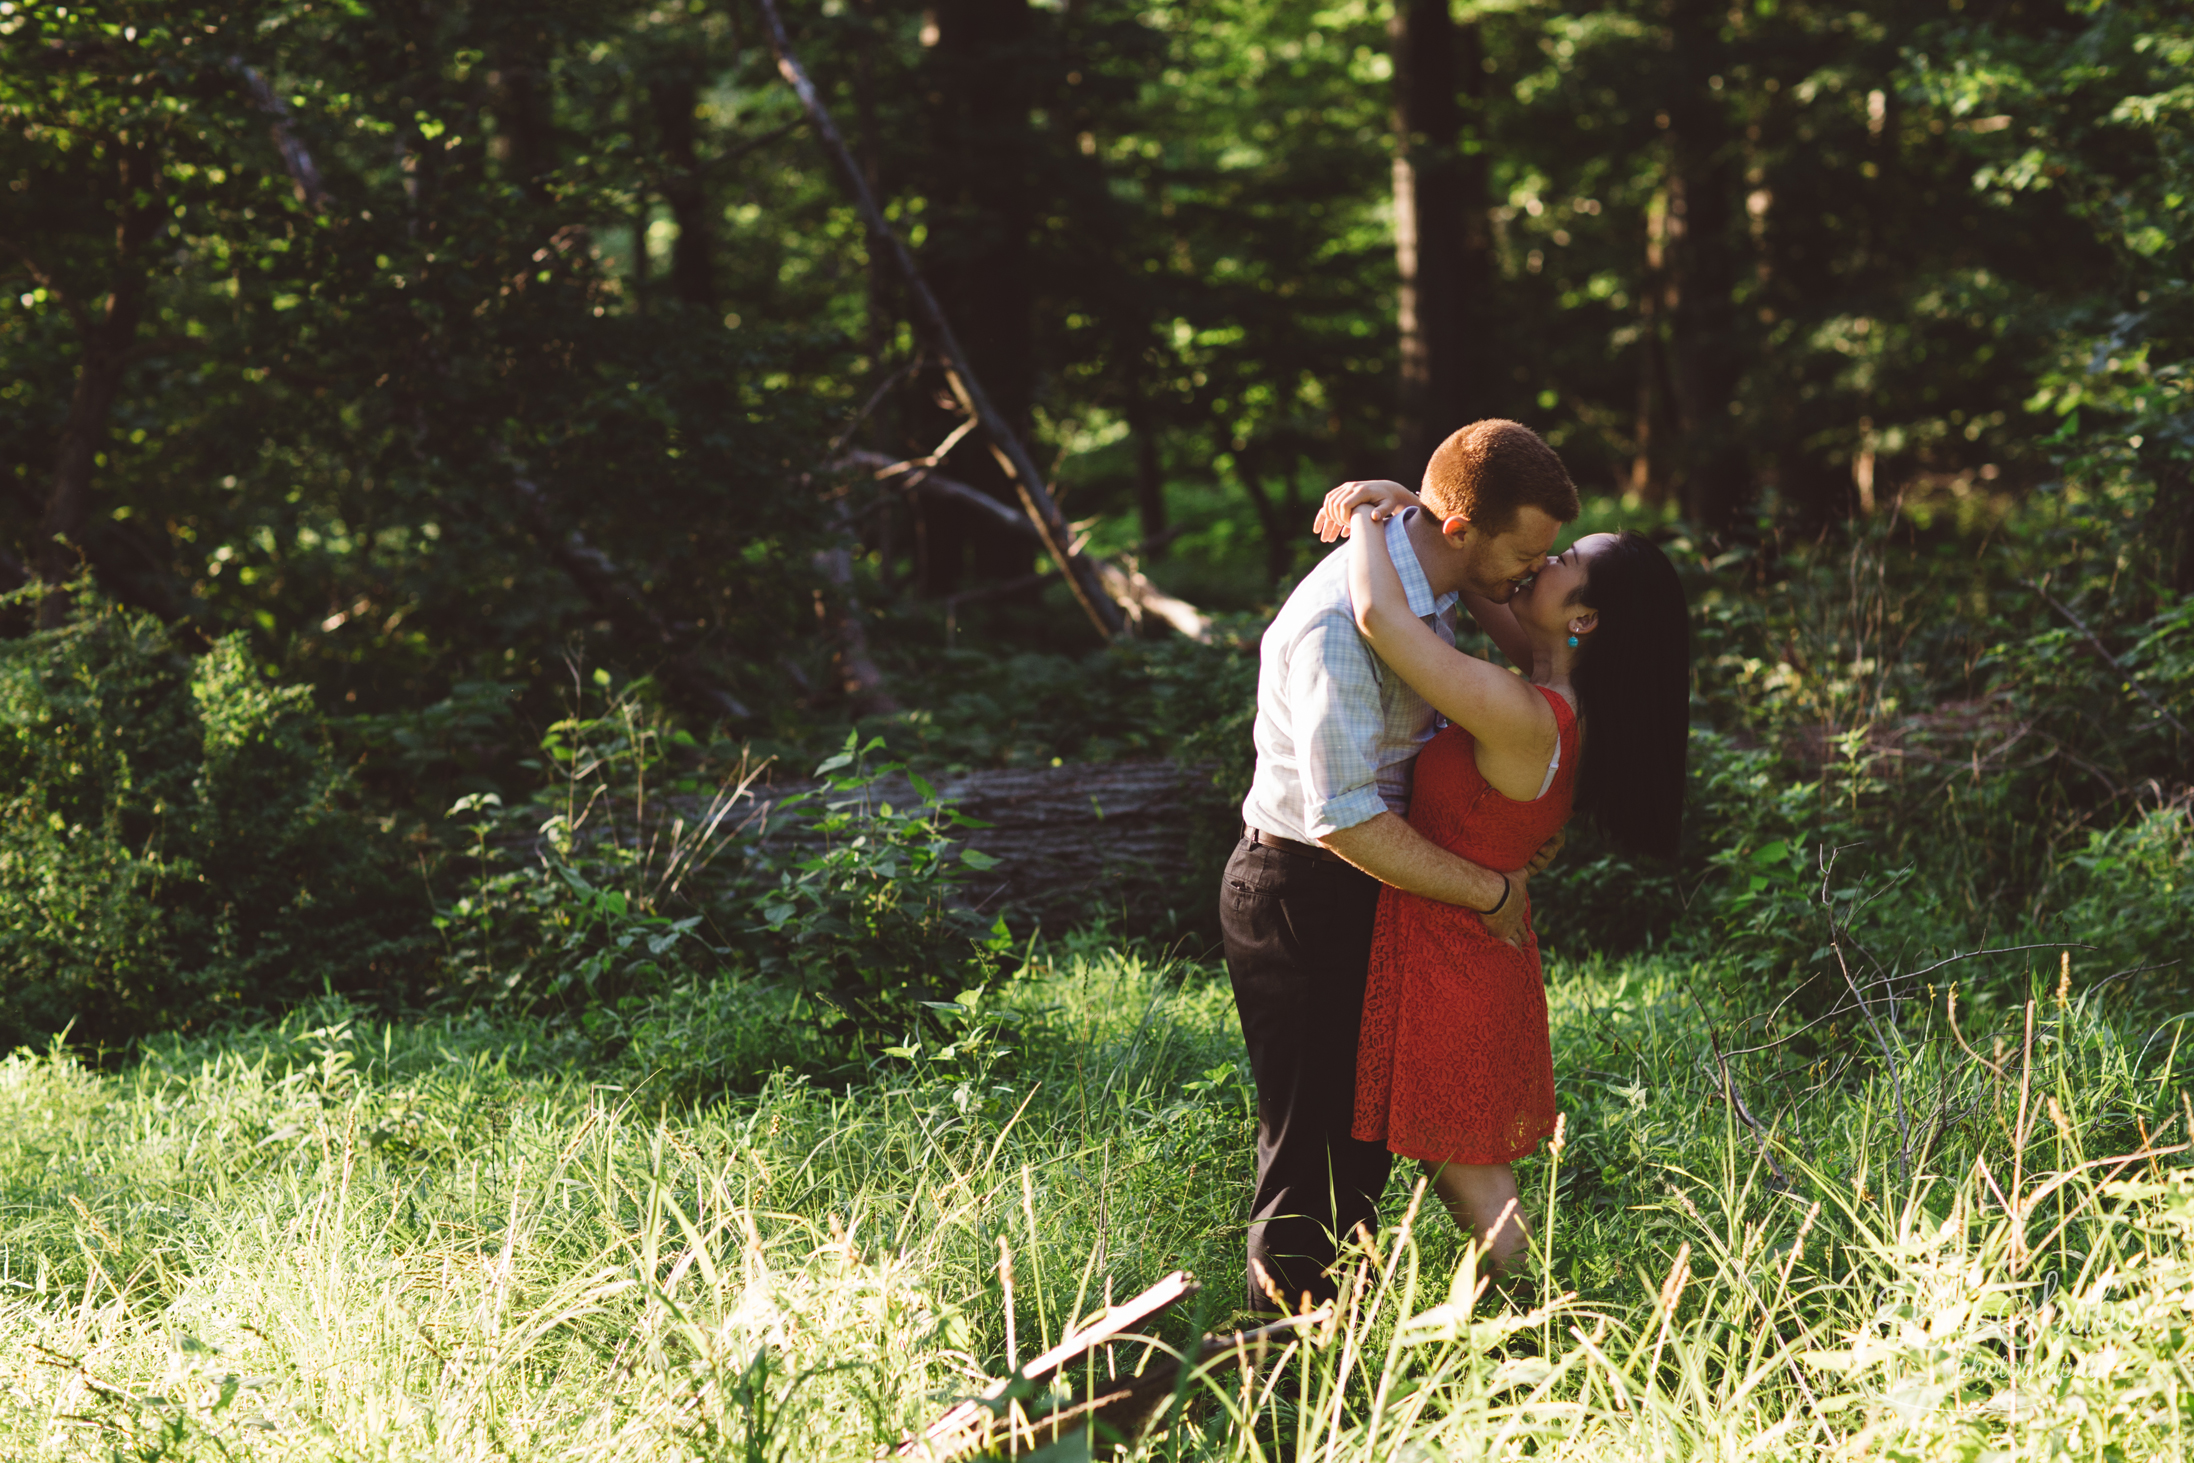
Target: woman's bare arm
{"points": [[1511, 720]]}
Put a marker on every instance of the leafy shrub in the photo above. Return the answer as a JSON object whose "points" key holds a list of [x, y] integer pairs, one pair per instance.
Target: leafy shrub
{"points": [[631, 897], [870, 922], [1597, 897], [172, 845]]}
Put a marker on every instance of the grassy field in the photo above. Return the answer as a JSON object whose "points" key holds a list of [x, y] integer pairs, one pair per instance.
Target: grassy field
{"points": [[340, 1240]]}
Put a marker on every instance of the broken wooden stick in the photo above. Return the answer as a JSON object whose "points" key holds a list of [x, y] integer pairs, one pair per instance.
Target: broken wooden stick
{"points": [[1121, 1405], [1127, 587], [1043, 512], [968, 1425], [1129, 1405]]}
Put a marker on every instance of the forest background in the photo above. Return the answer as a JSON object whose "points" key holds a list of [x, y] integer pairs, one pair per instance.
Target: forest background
{"points": [[450, 454], [409, 358]]}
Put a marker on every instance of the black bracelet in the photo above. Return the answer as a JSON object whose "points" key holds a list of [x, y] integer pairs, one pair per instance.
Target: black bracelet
{"points": [[1506, 890]]}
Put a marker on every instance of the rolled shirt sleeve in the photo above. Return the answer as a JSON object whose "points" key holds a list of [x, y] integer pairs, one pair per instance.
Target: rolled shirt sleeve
{"points": [[1335, 729], [1333, 689]]}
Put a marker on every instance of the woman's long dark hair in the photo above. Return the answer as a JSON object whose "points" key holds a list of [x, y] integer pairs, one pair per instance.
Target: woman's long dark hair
{"points": [[1633, 680]]}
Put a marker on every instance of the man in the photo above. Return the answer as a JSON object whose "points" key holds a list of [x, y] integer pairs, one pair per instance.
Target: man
{"points": [[1324, 827]]}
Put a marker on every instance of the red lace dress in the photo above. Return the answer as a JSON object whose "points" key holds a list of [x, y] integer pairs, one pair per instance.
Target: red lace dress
{"points": [[1453, 1062]]}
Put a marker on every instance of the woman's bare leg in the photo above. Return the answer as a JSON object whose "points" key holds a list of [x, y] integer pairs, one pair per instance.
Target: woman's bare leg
{"points": [[1476, 1194]]}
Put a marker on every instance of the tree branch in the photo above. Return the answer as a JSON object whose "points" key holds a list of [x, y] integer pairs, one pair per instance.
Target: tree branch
{"points": [[303, 174], [2110, 660], [1004, 443], [1126, 587], [599, 579]]}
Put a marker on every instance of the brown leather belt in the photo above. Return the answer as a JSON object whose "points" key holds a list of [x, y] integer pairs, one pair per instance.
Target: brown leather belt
{"points": [[1307, 850]]}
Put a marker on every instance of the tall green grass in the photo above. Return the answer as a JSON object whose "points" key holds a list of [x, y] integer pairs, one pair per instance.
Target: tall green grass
{"points": [[333, 1240]]}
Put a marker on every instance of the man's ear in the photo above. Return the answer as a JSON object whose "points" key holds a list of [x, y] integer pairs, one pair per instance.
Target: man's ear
{"points": [[1456, 528]]}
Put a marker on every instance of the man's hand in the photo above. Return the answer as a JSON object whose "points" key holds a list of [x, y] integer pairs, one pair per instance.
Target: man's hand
{"points": [[1385, 497], [1387, 848], [1547, 851], [1510, 921]]}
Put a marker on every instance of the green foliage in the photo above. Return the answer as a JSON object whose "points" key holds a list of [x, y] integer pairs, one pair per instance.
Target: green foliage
{"points": [[173, 845], [633, 268], [592, 893], [1918, 716], [871, 922], [362, 423], [2131, 893], [634, 897]]}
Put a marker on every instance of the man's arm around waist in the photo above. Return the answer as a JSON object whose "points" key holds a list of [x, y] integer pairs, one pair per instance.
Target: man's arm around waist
{"points": [[1387, 848]]}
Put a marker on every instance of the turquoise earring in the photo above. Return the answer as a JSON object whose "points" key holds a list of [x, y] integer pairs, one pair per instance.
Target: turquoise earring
{"points": [[1572, 642]]}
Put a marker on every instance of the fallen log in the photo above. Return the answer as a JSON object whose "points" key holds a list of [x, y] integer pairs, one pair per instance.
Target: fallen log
{"points": [[1068, 840]]}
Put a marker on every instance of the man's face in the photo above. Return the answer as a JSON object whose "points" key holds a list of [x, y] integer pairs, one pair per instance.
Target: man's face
{"points": [[1494, 564]]}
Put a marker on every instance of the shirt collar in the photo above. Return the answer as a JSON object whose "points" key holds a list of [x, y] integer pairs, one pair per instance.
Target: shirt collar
{"points": [[1422, 602]]}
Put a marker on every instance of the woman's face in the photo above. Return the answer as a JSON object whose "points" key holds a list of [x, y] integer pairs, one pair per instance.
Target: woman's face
{"points": [[1551, 601]]}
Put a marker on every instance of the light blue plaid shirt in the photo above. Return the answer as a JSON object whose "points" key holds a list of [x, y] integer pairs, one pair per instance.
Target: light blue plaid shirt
{"points": [[1336, 730]]}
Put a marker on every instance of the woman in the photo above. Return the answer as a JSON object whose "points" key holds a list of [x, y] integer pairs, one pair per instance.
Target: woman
{"points": [[1454, 1067]]}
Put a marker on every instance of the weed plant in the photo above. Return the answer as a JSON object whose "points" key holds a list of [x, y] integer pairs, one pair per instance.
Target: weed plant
{"points": [[1880, 1236]]}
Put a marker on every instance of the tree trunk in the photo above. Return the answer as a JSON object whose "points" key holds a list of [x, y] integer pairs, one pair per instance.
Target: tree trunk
{"points": [[518, 90], [1477, 273], [1703, 258], [2171, 523], [1150, 485], [692, 263], [978, 255], [1271, 517], [107, 338], [1427, 227], [1442, 237], [868, 142], [1656, 428]]}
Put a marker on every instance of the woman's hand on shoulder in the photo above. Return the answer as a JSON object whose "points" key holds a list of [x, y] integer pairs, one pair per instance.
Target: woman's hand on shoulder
{"points": [[1386, 499]]}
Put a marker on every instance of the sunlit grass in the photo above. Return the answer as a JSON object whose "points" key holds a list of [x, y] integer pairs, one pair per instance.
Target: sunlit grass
{"points": [[340, 1240]]}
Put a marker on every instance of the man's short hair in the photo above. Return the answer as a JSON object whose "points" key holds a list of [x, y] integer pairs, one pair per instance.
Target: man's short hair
{"points": [[1490, 469]]}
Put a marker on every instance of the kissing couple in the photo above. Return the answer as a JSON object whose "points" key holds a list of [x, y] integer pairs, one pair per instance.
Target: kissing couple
{"points": [[1377, 913]]}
